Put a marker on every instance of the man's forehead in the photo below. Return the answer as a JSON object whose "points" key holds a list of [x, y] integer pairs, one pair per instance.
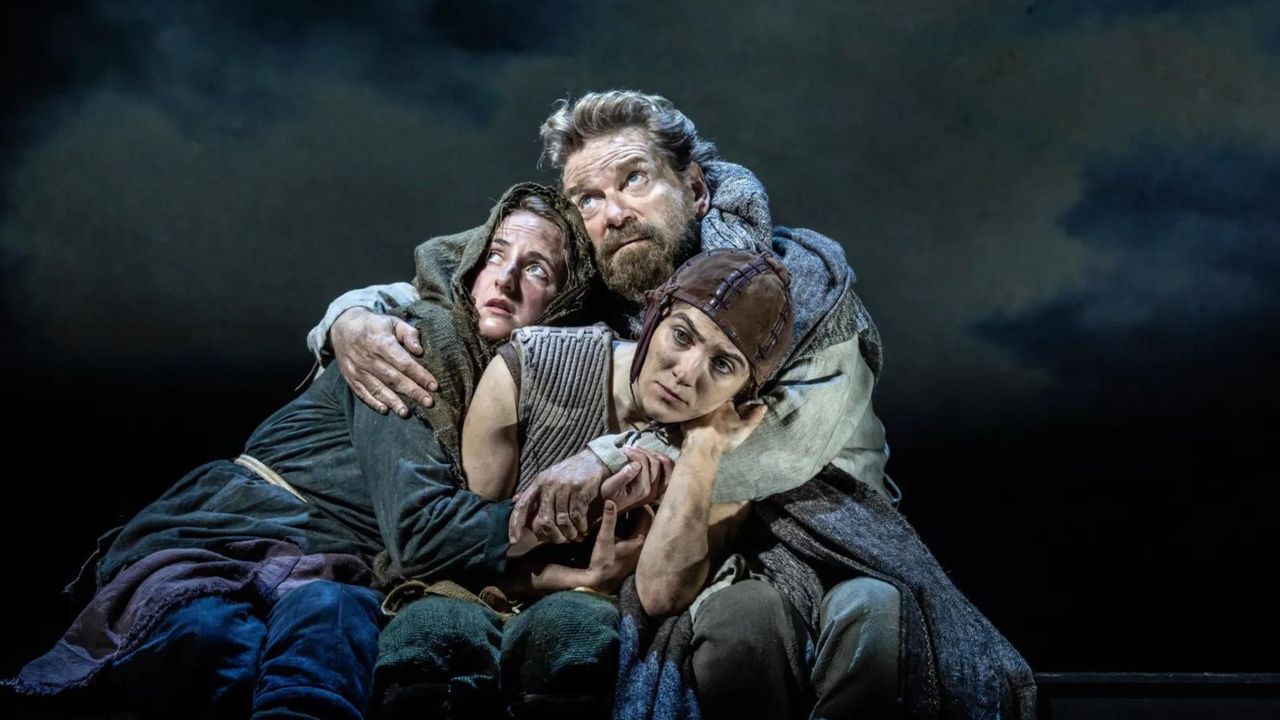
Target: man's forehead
{"points": [[603, 152]]}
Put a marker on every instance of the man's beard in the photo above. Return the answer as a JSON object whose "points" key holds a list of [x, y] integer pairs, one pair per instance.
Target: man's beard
{"points": [[649, 264]]}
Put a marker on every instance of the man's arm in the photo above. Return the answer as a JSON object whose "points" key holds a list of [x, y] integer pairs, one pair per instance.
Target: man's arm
{"points": [[380, 299], [373, 349]]}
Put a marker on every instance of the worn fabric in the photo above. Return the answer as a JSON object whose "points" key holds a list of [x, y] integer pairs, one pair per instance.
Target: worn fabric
{"points": [[367, 478], [855, 666], [126, 611], [850, 669], [654, 663], [762, 672], [444, 656], [955, 664], [207, 651], [309, 656], [318, 654]]}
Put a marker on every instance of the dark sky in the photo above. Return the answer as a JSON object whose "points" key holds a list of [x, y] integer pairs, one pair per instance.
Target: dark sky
{"points": [[1065, 221]]}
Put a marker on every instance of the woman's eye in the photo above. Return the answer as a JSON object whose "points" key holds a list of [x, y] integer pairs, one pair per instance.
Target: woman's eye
{"points": [[538, 271], [681, 337], [494, 257], [724, 367]]}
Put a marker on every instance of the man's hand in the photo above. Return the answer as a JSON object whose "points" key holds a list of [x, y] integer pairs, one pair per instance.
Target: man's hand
{"points": [[555, 504], [612, 560], [641, 482], [371, 353], [558, 505]]}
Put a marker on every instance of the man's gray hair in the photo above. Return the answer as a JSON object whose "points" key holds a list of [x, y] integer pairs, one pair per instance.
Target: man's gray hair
{"points": [[603, 113]]}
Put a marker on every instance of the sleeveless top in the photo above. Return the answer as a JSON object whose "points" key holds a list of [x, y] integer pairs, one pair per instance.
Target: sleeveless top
{"points": [[562, 376]]}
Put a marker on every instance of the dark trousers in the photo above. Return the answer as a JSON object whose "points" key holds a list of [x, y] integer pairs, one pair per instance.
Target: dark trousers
{"points": [[448, 658], [753, 656], [310, 656]]}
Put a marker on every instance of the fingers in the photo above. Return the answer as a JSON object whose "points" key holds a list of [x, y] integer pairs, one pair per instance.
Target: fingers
{"points": [[407, 335], [667, 466], [608, 522], [648, 466], [377, 381], [544, 523], [526, 503], [365, 396], [419, 382], [615, 485], [402, 373], [648, 484], [579, 502], [563, 522], [629, 547]]}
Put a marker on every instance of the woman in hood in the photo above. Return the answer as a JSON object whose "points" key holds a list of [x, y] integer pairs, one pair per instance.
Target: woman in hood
{"points": [[244, 588]]}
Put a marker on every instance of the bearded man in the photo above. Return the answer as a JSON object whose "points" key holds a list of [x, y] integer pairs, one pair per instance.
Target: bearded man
{"points": [[831, 605]]}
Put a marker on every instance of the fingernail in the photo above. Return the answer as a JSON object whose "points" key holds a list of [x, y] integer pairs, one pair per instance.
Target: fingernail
{"points": [[433, 387], [428, 402], [402, 412]]}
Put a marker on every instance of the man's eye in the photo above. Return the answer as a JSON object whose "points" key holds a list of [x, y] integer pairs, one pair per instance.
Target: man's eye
{"points": [[635, 178], [585, 202]]}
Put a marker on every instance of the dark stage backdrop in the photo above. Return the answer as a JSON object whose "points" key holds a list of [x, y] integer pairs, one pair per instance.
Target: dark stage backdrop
{"points": [[1064, 216]]}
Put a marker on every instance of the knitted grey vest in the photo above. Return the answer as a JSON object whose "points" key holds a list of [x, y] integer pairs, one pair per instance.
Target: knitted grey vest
{"points": [[563, 377]]}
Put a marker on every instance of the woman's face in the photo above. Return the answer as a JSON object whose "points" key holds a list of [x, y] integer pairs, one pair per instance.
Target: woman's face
{"points": [[523, 272], [691, 369]]}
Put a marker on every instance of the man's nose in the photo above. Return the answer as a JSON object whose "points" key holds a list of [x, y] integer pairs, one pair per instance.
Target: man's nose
{"points": [[617, 212]]}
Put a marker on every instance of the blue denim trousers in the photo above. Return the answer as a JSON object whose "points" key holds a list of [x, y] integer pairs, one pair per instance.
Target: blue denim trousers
{"points": [[310, 655]]}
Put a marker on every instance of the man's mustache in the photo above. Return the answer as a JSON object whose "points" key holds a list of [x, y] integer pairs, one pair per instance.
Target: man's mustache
{"points": [[615, 238]]}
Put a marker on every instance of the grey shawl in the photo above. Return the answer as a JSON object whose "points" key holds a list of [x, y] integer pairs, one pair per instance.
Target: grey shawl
{"points": [[954, 663], [828, 311]]}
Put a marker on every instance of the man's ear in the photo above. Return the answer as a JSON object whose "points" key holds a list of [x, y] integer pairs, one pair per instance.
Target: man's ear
{"points": [[701, 193]]}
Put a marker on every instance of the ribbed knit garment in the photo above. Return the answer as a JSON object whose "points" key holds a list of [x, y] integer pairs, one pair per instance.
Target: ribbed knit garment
{"points": [[563, 379]]}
